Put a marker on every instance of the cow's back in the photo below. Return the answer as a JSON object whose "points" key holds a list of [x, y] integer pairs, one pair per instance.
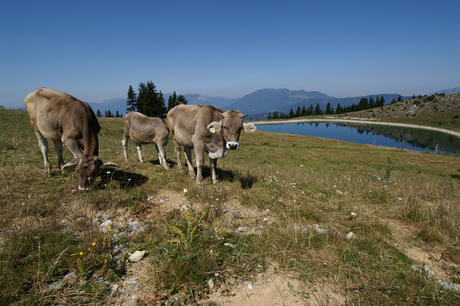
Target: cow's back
{"points": [[59, 116], [188, 121], [144, 129]]}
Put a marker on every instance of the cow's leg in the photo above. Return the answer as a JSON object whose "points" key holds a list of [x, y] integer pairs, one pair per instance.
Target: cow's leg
{"points": [[162, 155], [58, 147], [188, 157], [139, 152], [213, 164], [73, 146], [199, 155], [43, 144], [124, 143], [177, 151]]}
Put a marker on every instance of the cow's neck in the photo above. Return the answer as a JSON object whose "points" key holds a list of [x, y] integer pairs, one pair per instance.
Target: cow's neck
{"points": [[91, 145]]}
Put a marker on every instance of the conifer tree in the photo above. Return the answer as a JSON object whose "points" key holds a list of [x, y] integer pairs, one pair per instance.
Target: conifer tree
{"points": [[304, 111], [318, 110], [132, 100], [329, 109]]}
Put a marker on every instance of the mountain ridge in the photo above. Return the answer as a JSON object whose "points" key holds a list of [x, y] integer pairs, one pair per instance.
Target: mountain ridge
{"points": [[262, 101]]}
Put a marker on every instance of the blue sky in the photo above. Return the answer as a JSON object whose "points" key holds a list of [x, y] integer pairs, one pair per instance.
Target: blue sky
{"points": [[95, 49]]}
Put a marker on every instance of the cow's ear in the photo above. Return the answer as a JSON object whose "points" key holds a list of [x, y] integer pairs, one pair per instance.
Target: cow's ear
{"points": [[249, 127], [71, 164], [214, 126], [105, 163]]}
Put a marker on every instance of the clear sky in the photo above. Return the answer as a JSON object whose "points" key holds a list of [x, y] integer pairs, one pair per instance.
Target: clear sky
{"points": [[95, 49]]}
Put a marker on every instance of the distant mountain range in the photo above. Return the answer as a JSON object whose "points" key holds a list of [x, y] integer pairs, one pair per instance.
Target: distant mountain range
{"points": [[259, 103]]}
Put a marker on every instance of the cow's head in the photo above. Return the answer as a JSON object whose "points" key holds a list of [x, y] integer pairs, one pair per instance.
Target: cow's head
{"points": [[231, 125], [88, 168]]}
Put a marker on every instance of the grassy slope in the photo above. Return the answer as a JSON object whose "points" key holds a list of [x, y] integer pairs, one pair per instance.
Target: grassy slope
{"points": [[440, 111], [304, 182]]}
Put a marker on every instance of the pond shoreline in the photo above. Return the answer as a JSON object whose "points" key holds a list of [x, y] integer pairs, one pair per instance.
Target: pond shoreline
{"points": [[361, 121]]}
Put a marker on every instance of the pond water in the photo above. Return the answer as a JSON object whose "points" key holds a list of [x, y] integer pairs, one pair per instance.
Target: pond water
{"points": [[387, 136]]}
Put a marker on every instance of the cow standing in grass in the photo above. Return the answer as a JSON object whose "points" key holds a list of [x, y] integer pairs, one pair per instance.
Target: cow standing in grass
{"points": [[61, 118], [145, 130], [205, 129]]}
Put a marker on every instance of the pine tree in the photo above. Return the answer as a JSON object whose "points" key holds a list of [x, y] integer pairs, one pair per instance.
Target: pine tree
{"points": [[372, 102], [318, 110], [329, 109], [98, 113], [291, 114], [174, 98], [304, 112], [132, 101], [298, 111], [172, 101], [339, 109], [149, 102], [182, 99], [363, 104]]}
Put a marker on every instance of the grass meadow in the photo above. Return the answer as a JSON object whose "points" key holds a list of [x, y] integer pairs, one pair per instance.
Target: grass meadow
{"points": [[308, 195]]}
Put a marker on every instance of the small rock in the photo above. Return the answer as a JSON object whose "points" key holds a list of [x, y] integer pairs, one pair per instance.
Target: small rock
{"points": [[112, 290], [54, 285], [250, 286], [211, 284], [300, 228], [242, 229], [70, 278], [350, 235], [136, 256], [106, 223], [451, 286]]}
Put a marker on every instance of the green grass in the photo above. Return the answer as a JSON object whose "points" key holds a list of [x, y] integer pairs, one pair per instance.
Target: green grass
{"points": [[303, 182]]}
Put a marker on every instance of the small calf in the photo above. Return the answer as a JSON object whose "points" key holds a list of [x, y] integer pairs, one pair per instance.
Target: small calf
{"points": [[146, 130]]}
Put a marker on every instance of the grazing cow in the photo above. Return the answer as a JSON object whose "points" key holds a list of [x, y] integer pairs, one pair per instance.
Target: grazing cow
{"points": [[144, 130], [205, 129], [61, 118]]}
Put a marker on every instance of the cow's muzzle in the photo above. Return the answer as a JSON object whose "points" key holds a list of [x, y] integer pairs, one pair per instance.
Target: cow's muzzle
{"points": [[232, 145]]}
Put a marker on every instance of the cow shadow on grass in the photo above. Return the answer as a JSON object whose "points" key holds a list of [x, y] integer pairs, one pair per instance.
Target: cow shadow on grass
{"points": [[156, 162], [246, 180], [126, 180]]}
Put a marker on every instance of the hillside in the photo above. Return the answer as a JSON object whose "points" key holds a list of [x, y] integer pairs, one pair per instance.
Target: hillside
{"points": [[439, 110]]}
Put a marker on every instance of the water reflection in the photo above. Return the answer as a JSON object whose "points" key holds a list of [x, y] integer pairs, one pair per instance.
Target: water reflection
{"points": [[390, 136]]}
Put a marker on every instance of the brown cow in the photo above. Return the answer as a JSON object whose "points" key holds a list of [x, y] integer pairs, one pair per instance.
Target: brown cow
{"points": [[145, 130], [61, 118], [205, 129]]}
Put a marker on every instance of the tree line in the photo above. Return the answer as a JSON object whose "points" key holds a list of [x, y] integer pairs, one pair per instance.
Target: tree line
{"points": [[363, 104], [147, 101]]}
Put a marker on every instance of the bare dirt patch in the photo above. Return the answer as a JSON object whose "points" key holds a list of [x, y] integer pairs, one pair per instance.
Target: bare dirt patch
{"points": [[429, 256], [278, 288]]}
